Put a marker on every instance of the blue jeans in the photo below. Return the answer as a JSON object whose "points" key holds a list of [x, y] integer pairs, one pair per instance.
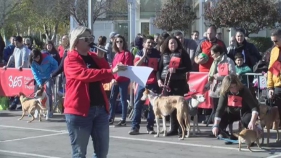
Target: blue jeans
{"points": [[81, 128], [138, 107], [49, 85], [122, 88], [14, 102]]}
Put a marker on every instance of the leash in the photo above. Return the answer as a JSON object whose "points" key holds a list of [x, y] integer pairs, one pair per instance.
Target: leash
{"points": [[32, 80], [189, 95], [166, 83]]}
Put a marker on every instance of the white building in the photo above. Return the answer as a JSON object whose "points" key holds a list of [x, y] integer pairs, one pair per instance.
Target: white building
{"points": [[145, 10]]}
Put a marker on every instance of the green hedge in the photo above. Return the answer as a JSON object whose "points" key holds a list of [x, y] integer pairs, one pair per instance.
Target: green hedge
{"points": [[262, 43]]}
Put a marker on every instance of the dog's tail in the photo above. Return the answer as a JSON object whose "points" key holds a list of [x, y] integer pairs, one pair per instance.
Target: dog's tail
{"points": [[185, 116], [40, 105], [237, 135]]}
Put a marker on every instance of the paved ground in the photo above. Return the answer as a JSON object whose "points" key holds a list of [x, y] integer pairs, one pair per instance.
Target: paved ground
{"points": [[19, 139]]}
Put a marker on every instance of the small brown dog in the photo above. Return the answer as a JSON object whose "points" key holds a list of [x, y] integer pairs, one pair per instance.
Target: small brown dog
{"points": [[30, 105], [249, 136], [164, 106], [269, 116]]}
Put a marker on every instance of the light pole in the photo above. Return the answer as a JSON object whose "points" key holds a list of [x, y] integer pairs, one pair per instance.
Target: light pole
{"points": [[90, 16], [132, 19], [73, 22], [132, 32]]}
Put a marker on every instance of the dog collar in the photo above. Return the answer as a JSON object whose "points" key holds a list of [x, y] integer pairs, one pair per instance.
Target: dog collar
{"points": [[25, 99], [154, 99]]}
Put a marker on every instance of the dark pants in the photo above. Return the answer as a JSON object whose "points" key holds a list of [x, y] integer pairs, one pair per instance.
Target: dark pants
{"points": [[277, 92], [122, 89], [178, 87], [14, 102], [215, 105], [139, 105], [229, 118]]}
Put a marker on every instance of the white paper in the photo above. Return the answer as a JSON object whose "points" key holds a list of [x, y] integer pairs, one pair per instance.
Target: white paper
{"points": [[138, 74]]}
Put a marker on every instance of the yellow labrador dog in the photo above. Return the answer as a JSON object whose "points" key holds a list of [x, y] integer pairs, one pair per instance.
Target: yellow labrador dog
{"points": [[30, 105], [164, 106]]}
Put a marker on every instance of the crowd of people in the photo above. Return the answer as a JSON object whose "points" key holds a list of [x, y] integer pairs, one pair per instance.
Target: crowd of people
{"points": [[89, 110]]}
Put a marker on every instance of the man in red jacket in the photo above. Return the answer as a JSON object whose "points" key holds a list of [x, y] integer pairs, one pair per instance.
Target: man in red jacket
{"points": [[86, 105], [150, 57], [205, 47]]}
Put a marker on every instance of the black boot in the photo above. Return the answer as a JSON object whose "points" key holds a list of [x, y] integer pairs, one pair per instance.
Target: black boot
{"points": [[174, 124]]}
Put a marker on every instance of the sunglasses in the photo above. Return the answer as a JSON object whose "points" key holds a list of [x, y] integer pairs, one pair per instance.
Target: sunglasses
{"points": [[119, 41], [88, 39], [275, 41]]}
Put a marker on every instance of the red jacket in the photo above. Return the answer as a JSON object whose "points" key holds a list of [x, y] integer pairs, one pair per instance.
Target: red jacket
{"points": [[125, 58], [61, 51], [205, 46], [78, 77]]}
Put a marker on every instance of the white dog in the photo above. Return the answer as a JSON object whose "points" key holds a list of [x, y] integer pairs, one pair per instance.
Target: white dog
{"points": [[193, 104]]}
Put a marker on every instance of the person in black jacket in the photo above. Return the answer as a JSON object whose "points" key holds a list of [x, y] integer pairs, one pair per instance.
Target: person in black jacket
{"points": [[249, 50], [172, 50], [53, 51], [235, 103]]}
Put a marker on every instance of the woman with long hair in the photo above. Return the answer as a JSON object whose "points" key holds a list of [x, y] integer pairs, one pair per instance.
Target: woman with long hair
{"points": [[236, 102], [174, 64], [120, 84], [85, 105], [53, 51]]}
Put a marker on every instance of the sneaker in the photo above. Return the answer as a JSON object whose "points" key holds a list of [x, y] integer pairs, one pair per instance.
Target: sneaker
{"points": [[134, 132], [121, 123], [50, 115], [36, 113], [150, 131], [111, 121]]}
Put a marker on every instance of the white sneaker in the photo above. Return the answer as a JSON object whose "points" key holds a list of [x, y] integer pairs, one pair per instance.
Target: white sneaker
{"points": [[36, 113], [47, 115]]}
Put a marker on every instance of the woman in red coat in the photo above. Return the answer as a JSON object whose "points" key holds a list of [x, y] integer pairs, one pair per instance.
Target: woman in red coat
{"points": [[120, 84], [86, 106]]}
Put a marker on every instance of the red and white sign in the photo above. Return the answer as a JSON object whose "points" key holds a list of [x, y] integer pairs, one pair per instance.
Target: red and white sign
{"points": [[235, 101], [14, 81], [196, 82]]}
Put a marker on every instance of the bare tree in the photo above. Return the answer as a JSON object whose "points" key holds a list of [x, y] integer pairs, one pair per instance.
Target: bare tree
{"points": [[101, 8], [6, 8]]}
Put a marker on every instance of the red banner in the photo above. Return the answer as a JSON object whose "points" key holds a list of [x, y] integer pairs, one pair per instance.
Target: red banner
{"points": [[14, 81], [196, 82]]}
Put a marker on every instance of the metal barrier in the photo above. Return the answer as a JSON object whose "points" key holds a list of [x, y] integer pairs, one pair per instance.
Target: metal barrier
{"points": [[58, 95], [261, 85]]}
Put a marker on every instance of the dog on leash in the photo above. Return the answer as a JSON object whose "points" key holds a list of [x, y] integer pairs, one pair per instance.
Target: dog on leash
{"points": [[30, 105], [164, 106], [193, 104], [269, 116], [249, 136], [43, 98]]}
